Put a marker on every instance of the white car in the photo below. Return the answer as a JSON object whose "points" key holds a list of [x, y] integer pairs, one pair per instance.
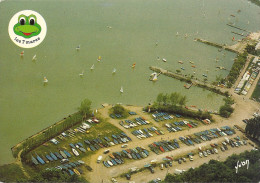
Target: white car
{"points": [[215, 150], [114, 180], [200, 154], [124, 145]]}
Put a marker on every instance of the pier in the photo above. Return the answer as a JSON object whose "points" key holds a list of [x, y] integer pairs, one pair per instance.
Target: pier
{"points": [[225, 47], [191, 82], [238, 28]]}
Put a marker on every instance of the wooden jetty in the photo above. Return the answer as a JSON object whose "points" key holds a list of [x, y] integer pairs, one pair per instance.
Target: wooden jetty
{"points": [[221, 46], [238, 28]]}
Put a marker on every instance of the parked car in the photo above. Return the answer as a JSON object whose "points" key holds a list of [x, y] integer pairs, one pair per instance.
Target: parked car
{"points": [[179, 161], [184, 159], [215, 150], [106, 151], [191, 157], [205, 153], [208, 152], [128, 176], [151, 169], [200, 154], [161, 166]]}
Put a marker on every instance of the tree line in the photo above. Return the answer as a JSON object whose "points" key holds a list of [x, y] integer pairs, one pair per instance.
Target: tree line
{"points": [[173, 103], [239, 63], [253, 127], [226, 110], [217, 171]]}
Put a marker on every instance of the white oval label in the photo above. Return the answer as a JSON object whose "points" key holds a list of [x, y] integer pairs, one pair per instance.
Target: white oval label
{"points": [[27, 29]]}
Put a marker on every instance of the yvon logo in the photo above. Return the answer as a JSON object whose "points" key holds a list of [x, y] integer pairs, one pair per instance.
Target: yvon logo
{"points": [[27, 29]]}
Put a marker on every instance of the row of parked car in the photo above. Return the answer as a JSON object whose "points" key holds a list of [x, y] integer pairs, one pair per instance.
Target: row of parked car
{"points": [[164, 146], [116, 158], [147, 132], [161, 116], [98, 143], [136, 122]]}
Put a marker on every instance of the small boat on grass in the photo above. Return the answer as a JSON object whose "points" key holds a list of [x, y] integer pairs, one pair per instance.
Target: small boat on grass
{"points": [[164, 60], [63, 154], [53, 156], [34, 160], [78, 48], [76, 171], [92, 67], [75, 152], [180, 62], [133, 66], [154, 77], [82, 149], [58, 155], [40, 159], [48, 157], [182, 68], [67, 153], [121, 90]]}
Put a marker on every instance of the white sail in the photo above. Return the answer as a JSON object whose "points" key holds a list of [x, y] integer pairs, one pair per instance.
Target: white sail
{"points": [[34, 57], [114, 70], [78, 47], [121, 90], [81, 74], [155, 77], [45, 80], [92, 67]]}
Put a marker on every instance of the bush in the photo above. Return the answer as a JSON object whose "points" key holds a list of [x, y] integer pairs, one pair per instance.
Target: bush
{"points": [[226, 110], [216, 171], [119, 109]]}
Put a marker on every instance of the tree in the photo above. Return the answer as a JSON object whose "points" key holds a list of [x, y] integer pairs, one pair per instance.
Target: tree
{"points": [[118, 109], [53, 175], [85, 108], [165, 99], [182, 100], [253, 127], [174, 98], [159, 98]]}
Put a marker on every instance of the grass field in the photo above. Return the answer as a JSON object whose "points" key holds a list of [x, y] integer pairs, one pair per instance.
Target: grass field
{"points": [[256, 93], [11, 173], [97, 130]]}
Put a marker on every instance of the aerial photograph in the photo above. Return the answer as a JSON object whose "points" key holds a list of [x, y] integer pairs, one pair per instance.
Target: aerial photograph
{"points": [[129, 91]]}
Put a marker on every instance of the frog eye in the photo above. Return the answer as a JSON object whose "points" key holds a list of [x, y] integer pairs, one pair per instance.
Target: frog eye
{"points": [[22, 20], [32, 20]]}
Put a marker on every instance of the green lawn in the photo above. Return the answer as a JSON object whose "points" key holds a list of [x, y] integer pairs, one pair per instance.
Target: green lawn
{"points": [[11, 173], [97, 130], [256, 93]]}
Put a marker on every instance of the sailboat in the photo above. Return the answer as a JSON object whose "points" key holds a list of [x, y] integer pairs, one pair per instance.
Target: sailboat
{"points": [[121, 90], [45, 80], [78, 48], [177, 34], [155, 77], [34, 58], [92, 67], [164, 60], [22, 53], [114, 71], [99, 58], [133, 66], [81, 74]]}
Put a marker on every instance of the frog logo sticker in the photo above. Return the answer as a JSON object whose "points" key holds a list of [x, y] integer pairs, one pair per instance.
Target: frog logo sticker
{"points": [[27, 29]]}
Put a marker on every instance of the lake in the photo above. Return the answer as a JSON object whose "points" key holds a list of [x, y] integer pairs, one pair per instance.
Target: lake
{"points": [[123, 33]]}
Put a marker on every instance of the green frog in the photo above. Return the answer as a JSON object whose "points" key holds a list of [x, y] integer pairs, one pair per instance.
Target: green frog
{"points": [[27, 26]]}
